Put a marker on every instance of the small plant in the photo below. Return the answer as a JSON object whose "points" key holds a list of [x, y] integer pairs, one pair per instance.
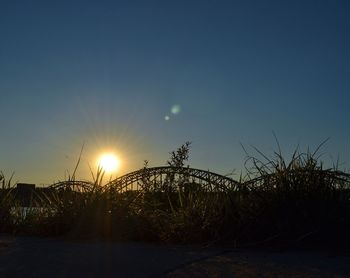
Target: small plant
{"points": [[180, 156]]}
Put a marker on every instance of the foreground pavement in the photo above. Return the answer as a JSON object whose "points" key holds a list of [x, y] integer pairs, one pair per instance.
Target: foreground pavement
{"points": [[37, 257]]}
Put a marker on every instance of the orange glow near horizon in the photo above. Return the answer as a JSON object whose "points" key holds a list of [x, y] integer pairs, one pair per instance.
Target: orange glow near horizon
{"points": [[109, 162]]}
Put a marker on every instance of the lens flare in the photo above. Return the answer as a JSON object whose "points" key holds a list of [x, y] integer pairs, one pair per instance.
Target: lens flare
{"points": [[175, 109]]}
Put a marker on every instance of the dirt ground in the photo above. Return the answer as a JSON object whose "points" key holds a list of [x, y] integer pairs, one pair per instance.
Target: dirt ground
{"points": [[37, 257]]}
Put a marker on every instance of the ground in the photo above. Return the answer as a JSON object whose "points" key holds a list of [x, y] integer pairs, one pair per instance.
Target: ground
{"points": [[38, 257]]}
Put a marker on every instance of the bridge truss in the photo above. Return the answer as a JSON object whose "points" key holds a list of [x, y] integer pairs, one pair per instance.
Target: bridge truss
{"points": [[73, 185], [168, 178]]}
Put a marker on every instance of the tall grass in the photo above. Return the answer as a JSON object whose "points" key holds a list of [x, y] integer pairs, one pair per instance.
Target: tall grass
{"points": [[7, 201], [278, 202], [297, 200]]}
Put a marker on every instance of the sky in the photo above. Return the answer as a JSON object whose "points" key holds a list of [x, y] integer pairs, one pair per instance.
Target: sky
{"points": [[140, 78]]}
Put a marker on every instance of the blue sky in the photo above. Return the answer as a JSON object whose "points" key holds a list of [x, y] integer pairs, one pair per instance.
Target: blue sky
{"points": [[106, 73]]}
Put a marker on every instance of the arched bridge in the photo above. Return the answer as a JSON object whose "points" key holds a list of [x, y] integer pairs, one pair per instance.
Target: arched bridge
{"points": [[170, 178], [73, 185]]}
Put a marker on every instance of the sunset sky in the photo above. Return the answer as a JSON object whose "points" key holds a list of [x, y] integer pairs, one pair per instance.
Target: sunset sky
{"points": [[140, 78]]}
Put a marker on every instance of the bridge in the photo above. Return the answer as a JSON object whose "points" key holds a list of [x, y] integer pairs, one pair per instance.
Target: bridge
{"points": [[162, 178], [72, 185], [169, 177]]}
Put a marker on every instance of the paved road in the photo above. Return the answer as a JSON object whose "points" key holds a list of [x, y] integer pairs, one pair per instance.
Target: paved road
{"points": [[35, 257]]}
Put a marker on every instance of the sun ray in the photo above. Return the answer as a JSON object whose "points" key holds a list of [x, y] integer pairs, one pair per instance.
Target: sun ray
{"points": [[109, 162]]}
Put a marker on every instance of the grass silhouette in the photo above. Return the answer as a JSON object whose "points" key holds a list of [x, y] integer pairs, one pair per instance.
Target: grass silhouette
{"points": [[277, 202]]}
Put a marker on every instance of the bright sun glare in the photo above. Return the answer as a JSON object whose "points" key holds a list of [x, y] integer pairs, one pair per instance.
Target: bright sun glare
{"points": [[109, 162]]}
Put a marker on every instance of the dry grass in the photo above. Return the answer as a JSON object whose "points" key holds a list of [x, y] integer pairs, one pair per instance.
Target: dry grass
{"points": [[278, 202]]}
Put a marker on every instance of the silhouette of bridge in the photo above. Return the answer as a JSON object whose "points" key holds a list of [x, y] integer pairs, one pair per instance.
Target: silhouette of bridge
{"points": [[159, 178], [169, 176], [72, 185]]}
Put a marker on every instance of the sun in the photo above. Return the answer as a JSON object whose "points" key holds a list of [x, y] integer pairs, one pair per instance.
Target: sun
{"points": [[109, 162]]}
